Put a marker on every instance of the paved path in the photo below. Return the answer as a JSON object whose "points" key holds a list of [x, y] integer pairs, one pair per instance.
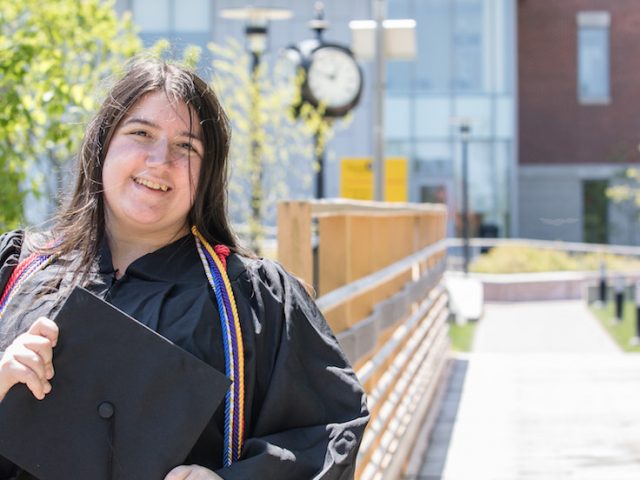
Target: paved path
{"points": [[545, 395]]}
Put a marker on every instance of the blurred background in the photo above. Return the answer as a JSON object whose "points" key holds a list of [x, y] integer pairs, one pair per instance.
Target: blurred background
{"points": [[546, 89]]}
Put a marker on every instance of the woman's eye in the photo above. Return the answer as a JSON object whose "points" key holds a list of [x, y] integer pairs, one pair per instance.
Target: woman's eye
{"points": [[189, 147], [140, 133]]}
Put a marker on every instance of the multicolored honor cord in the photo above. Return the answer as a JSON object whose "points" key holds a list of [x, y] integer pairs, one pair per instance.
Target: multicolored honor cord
{"points": [[25, 270], [233, 348], [214, 267]]}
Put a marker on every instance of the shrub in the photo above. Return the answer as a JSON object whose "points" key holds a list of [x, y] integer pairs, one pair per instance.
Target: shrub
{"points": [[522, 259]]}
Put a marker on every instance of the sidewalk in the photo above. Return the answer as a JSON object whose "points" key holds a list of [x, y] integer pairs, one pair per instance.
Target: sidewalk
{"points": [[545, 395]]}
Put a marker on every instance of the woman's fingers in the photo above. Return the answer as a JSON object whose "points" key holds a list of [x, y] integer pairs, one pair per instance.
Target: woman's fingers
{"points": [[45, 328], [23, 374], [43, 348], [178, 473], [191, 472], [13, 370], [44, 335], [35, 353], [29, 359]]}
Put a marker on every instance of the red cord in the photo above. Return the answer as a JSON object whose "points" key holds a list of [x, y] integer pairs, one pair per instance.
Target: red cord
{"points": [[223, 252]]}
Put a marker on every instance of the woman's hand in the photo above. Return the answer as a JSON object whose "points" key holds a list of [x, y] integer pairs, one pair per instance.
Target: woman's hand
{"points": [[29, 359], [191, 472]]}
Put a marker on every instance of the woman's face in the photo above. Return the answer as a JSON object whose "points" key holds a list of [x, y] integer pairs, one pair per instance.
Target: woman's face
{"points": [[151, 168]]}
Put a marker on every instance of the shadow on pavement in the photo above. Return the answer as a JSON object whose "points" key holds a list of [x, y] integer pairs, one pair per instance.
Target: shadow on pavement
{"points": [[436, 455]]}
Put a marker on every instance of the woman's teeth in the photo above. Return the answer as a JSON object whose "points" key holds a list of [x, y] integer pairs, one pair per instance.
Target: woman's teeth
{"points": [[150, 184]]}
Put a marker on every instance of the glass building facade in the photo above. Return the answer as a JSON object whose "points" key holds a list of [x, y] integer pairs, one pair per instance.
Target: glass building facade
{"points": [[465, 68]]}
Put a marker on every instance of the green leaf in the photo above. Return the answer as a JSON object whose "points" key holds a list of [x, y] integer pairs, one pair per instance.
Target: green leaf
{"points": [[54, 56]]}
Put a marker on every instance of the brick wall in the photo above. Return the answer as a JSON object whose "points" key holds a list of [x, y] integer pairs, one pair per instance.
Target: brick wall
{"points": [[554, 128]]}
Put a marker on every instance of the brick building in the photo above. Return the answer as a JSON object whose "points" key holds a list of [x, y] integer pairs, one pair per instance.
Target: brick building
{"points": [[578, 120]]}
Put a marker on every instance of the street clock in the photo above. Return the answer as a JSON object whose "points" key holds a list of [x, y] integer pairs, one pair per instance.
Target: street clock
{"points": [[332, 77]]}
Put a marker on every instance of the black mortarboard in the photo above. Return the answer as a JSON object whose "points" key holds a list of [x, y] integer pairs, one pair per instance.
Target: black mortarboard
{"points": [[125, 402]]}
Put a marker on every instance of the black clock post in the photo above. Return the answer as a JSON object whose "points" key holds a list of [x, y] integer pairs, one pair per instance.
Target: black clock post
{"points": [[332, 81]]}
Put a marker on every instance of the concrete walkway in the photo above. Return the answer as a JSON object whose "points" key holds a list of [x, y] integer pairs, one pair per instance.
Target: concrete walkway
{"points": [[545, 395]]}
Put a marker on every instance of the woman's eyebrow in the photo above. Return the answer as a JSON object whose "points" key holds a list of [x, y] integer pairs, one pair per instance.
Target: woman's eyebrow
{"points": [[191, 135], [143, 121]]}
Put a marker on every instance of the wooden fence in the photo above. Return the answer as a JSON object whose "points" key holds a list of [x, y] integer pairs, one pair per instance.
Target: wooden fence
{"points": [[378, 270]]}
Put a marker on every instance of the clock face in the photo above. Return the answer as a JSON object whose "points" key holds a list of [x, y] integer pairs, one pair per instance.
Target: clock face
{"points": [[334, 77]]}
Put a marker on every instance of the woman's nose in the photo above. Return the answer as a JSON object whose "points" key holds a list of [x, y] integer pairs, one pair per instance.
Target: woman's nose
{"points": [[159, 153]]}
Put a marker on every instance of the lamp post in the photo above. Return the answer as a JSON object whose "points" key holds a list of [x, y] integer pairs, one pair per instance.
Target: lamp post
{"points": [[382, 40], [256, 26], [465, 132], [256, 31], [318, 24], [379, 12], [332, 83]]}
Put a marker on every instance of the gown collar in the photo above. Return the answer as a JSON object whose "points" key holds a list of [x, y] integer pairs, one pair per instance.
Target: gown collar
{"points": [[169, 261]]}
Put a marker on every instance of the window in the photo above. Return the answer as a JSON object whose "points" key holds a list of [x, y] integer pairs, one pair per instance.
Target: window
{"points": [[433, 39], [190, 16], [151, 15], [469, 60], [593, 58], [595, 206]]}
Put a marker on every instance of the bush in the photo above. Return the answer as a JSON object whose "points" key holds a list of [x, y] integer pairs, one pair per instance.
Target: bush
{"points": [[522, 259]]}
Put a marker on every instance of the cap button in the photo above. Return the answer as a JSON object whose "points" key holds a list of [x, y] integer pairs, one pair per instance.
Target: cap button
{"points": [[106, 410]]}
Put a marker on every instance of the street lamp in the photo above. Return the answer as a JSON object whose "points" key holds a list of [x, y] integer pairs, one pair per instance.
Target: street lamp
{"points": [[256, 31], [256, 26], [318, 25], [464, 127]]}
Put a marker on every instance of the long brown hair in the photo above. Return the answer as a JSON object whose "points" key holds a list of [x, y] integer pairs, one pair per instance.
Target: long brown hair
{"points": [[80, 225]]}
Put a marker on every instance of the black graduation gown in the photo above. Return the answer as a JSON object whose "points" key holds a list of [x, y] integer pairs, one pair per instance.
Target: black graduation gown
{"points": [[305, 410]]}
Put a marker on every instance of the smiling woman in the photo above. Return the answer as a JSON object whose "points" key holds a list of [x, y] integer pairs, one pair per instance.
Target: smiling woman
{"points": [[146, 230], [151, 172]]}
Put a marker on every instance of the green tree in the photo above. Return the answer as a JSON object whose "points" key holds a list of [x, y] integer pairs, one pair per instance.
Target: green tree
{"points": [[626, 187], [624, 192], [269, 136], [54, 57]]}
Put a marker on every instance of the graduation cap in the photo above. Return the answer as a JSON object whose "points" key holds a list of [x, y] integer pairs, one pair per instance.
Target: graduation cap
{"points": [[125, 402]]}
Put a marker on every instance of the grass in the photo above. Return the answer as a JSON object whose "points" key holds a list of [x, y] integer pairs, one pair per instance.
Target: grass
{"points": [[622, 332], [462, 336]]}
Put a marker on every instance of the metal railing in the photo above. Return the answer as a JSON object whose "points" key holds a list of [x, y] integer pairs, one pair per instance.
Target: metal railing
{"points": [[403, 371], [400, 351]]}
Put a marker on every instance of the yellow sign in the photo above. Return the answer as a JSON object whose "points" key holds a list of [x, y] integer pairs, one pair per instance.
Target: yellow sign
{"points": [[396, 183], [356, 179]]}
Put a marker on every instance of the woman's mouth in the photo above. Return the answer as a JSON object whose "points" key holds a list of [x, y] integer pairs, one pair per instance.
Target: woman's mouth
{"points": [[152, 185]]}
